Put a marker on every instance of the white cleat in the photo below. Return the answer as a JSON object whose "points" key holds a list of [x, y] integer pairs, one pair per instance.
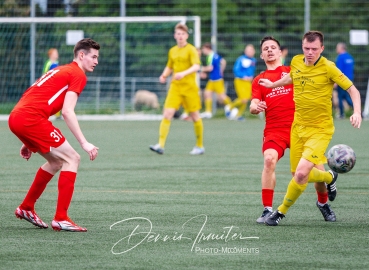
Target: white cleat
{"points": [[197, 151], [157, 148], [66, 225], [31, 217], [206, 115]]}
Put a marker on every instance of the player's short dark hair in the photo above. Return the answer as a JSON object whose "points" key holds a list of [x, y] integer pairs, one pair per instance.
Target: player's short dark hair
{"points": [[266, 38], [311, 36], [206, 45], [283, 48], [85, 44]]}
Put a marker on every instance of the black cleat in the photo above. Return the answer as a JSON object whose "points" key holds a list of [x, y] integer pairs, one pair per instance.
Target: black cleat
{"points": [[266, 213], [332, 190], [327, 212], [274, 218]]}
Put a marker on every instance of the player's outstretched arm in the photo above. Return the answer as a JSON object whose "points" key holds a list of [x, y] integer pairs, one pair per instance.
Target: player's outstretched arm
{"points": [[25, 152], [70, 119], [284, 81], [355, 118], [257, 106], [192, 69]]}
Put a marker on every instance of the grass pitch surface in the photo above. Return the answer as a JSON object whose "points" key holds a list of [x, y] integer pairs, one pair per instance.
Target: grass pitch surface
{"points": [[146, 211]]}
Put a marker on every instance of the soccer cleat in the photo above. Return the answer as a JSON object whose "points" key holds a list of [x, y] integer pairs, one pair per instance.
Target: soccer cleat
{"points": [[274, 218], [197, 151], [185, 117], [332, 189], [157, 148], [327, 212], [233, 114], [227, 111], [31, 217], [266, 213], [66, 225], [241, 119], [206, 115]]}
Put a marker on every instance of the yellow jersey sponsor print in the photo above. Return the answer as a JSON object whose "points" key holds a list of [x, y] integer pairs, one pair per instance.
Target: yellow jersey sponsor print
{"points": [[313, 87]]}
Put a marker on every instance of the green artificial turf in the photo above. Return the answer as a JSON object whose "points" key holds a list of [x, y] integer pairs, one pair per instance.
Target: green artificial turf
{"points": [[179, 208]]}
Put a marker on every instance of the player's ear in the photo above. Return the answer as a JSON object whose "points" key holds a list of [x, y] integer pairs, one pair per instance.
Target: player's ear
{"points": [[261, 56]]}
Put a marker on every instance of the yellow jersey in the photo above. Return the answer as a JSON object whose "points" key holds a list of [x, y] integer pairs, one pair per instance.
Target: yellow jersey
{"points": [[313, 87], [180, 59]]}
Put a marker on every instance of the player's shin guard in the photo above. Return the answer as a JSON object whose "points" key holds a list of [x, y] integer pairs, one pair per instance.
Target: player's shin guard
{"points": [[208, 105], [42, 178], [317, 175], [294, 190], [227, 101], [65, 193], [163, 131], [241, 109], [199, 132]]}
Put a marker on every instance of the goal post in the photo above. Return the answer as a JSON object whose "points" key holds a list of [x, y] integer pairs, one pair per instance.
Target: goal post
{"points": [[80, 23]]}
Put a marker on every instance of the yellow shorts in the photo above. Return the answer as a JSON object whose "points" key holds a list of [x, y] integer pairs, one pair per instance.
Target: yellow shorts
{"points": [[215, 86], [309, 143], [188, 97], [243, 88]]}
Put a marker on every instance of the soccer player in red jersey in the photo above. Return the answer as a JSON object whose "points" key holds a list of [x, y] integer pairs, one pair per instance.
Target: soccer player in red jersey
{"points": [[279, 108], [56, 90]]}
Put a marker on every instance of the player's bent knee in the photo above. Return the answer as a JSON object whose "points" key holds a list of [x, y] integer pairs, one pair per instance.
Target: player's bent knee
{"points": [[270, 162], [301, 177]]}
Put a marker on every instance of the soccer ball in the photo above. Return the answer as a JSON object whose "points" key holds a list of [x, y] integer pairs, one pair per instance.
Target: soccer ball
{"points": [[341, 158]]}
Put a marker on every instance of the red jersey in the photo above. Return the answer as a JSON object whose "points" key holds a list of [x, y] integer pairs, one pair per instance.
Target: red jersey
{"points": [[46, 96], [280, 105]]}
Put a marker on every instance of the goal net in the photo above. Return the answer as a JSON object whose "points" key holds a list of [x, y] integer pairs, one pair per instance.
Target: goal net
{"points": [[132, 56]]}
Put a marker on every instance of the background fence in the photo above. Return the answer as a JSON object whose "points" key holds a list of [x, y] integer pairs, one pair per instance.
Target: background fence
{"points": [[146, 45]]}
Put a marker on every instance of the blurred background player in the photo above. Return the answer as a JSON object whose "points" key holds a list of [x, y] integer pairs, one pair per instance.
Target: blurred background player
{"points": [[313, 77], [345, 62], [51, 63], [284, 51], [244, 71], [279, 110], [215, 66], [58, 88], [183, 62]]}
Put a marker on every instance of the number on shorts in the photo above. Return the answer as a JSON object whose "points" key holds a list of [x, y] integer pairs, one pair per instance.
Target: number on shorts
{"points": [[56, 135]]}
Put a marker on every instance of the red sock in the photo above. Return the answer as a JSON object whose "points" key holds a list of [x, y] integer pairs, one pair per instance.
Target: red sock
{"points": [[42, 178], [65, 188], [267, 197], [322, 197]]}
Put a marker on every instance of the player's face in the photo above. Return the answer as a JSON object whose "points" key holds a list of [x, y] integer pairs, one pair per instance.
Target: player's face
{"points": [[270, 51], [89, 60], [181, 37], [312, 50], [250, 51]]}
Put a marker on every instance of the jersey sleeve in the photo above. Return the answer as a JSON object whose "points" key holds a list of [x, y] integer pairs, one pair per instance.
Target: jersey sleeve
{"points": [[77, 82], [338, 77], [170, 61], [256, 88]]}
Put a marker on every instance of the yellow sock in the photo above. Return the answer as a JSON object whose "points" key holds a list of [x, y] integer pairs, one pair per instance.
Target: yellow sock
{"points": [[208, 105], [163, 131], [236, 103], [241, 109], [317, 175], [227, 100], [294, 191], [199, 132]]}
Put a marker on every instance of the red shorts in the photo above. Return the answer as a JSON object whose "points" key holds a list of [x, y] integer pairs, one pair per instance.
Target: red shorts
{"points": [[37, 134], [278, 140]]}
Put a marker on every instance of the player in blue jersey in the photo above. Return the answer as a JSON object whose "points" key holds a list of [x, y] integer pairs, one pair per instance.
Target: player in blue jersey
{"points": [[345, 63], [215, 65], [244, 71]]}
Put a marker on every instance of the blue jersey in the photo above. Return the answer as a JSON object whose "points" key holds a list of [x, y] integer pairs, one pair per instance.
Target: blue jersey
{"points": [[214, 60], [244, 67], [345, 63]]}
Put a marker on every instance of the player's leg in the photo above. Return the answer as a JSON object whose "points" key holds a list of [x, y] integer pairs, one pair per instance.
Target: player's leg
{"points": [[322, 201], [341, 94], [172, 103], [193, 104], [246, 96], [208, 101]]}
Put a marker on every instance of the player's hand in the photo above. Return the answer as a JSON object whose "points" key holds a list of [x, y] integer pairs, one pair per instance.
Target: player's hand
{"points": [[355, 120], [261, 106], [162, 79], [25, 152], [203, 75], [178, 76], [266, 83], [91, 149]]}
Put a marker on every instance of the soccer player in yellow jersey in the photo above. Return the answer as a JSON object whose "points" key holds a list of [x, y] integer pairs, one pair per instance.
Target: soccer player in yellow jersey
{"points": [[183, 63], [313, 77]]}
